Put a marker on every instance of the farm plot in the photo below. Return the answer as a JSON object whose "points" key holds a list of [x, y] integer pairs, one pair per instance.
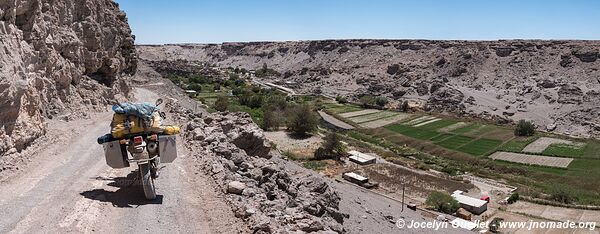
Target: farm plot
{"points": [[532, 159], [358, 113], [539, 145], [564, 150], [370, 117], [385, 121], [426, 122], [453, 127], [467, 128], [454, 142], [480, 146], [391, 178], [338, 109], [412, 132], [419, 120]]}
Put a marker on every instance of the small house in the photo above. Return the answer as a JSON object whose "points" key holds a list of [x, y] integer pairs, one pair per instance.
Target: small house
{"points": [[360, 158], [473, 205]]}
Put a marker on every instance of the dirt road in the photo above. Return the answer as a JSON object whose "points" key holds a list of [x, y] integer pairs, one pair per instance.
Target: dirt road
{"points": [[68, 188]]}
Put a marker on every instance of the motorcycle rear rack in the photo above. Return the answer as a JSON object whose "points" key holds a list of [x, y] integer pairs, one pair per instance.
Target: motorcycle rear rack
{"points": [[142, 161]]}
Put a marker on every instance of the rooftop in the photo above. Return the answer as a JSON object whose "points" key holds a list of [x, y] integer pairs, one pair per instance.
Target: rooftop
{"points": [[468, 200]]}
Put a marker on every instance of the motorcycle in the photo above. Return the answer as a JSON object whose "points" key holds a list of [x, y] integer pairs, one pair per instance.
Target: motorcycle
{"points": [[146, 150]]}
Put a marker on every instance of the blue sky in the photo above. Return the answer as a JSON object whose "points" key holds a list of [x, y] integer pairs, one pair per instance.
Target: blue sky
{"points": [[202, 21]]}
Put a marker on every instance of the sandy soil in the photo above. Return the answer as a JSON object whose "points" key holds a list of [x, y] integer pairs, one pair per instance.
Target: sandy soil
{"points": [[303, 147]]}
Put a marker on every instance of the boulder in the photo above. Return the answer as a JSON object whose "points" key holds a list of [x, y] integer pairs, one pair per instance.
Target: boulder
{"points": [[236, 187]]}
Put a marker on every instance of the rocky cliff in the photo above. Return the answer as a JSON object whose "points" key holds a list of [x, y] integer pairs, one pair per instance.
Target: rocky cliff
{"points": [[58, 58], [553, 83]]}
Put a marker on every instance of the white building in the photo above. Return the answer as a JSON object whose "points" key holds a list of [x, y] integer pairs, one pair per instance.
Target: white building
{"points": [[474, 205], [361, 158]]}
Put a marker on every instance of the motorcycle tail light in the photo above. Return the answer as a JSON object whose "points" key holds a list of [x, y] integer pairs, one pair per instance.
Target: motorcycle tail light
{"points": [[138, 140]]}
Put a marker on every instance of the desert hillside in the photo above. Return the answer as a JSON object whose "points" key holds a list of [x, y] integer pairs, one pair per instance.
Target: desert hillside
{"points": [[553, 83], [59, 59]]}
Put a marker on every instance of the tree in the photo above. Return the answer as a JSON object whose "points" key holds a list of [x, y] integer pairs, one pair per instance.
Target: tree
{"points": [[381, 101], [367, 100], [270, 119], [563, 195], [341, 99], [442, 202], [404, 107], [256, 101], [332, 148], [217, 87], [524, 128], [195, 86], [513, 198], [302, 119], [222, 103]]}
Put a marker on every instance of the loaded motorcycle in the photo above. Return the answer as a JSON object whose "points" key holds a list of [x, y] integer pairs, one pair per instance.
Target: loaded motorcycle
{"points": [[144, 143]]}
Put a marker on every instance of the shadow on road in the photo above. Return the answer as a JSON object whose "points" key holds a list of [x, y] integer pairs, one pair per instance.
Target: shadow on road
{"points": [[129, 194]]}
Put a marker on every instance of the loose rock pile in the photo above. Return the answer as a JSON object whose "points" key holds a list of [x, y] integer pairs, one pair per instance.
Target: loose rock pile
{"points": [[269, 196]]}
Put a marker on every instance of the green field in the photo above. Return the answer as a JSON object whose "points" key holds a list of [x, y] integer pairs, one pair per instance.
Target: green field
{"points": [[441, 137], [373, 116], [564, 150], [454, 142], [438, 124], [338, 109], [417, 133], [467, 128], [517, 144], [480, 146]]}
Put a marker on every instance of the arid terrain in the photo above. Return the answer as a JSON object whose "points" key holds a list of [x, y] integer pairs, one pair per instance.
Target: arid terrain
{"points": [[553, 83], [63, 64]]}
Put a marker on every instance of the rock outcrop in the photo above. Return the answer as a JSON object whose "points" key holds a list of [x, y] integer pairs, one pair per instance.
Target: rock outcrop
{"points": [[58, 59], [261, 189], [495, 74]]}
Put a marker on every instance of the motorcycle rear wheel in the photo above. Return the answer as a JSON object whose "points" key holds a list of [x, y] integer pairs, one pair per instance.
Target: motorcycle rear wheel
{"points": [[147, 181]]}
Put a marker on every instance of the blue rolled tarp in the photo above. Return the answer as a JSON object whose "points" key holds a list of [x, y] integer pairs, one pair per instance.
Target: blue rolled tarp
{"points": [[141, 110]]}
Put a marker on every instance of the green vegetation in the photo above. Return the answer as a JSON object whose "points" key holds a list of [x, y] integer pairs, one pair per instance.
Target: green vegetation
{"points": [[513, 198], [480, 146], [564, 150], [341, 100], [222, 103], [302, 119], [417, 133], [441, 137], [332, 148], [517, 145], [442, 202], [562, 194], [454, 142], [265, 72], [467, 128], [339, 109], [524, 128], [315, 165], [381, 101], [368, 101], [404, 106]]}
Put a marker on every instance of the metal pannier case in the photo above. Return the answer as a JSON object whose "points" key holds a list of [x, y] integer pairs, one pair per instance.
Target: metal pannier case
{"points": [[167, 148], [115, 157]]}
